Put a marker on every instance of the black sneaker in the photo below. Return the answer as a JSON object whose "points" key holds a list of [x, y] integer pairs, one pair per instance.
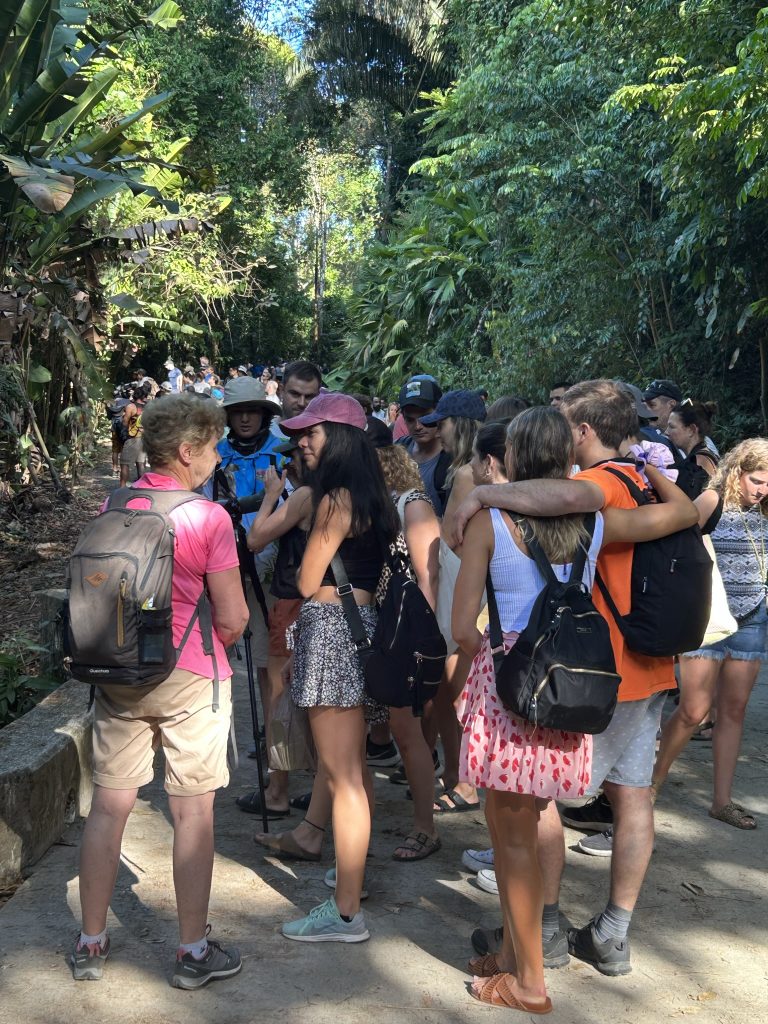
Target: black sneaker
{"points": [[217, 963], [381, 755], [489, 940], [399, 778], [610, 957], [595, 816]]}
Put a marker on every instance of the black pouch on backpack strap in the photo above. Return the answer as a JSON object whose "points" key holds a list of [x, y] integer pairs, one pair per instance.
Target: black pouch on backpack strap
{"points": [[561, 672]]}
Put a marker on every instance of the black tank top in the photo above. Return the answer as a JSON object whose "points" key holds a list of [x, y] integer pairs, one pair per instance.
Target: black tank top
{"points": [[363, 560], [290, 552]]}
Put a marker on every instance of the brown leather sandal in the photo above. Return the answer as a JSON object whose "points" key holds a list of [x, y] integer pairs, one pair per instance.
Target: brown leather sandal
{"points": [[484, 966], [284, 845], [497, 991]]}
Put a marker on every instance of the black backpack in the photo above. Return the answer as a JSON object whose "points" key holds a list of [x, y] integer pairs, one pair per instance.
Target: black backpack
{"points": [[671, 589], [561, 672], [692, 479], [404, 661]]}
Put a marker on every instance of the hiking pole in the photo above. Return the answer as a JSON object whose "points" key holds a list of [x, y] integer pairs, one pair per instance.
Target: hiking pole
{"points": [[255, 721]]}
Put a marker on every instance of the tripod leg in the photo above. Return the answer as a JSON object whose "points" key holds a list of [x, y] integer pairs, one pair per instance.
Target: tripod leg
{"points": [[255, 722]]}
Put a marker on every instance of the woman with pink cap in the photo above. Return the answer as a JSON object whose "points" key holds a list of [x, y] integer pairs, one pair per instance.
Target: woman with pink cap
{"points": [[353, 517]]}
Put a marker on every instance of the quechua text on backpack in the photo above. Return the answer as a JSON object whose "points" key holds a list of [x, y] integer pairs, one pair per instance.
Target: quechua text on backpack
{"points": [[120, 615], [561, 672], [670, 592]]}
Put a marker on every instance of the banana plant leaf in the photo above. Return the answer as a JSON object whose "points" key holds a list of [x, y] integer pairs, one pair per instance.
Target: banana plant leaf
{"points": [[47, 189]]}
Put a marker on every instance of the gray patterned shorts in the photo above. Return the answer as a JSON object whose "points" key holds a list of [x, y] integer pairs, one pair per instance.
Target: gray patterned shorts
{"points": [[326, 669]]}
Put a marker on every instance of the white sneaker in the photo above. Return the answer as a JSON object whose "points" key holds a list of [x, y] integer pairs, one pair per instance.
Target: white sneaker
{"points": [[486, 879], [476, 860]]}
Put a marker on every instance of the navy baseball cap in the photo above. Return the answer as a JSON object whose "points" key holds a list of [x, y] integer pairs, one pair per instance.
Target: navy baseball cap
{"points": [[663, 389], [422, 391], [468, 404]]}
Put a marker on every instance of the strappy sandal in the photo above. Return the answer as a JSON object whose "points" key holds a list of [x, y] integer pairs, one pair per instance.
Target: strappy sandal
{"points": [[417, 846], [284, 844], [497, 991], [484, 966], [736, 815]]}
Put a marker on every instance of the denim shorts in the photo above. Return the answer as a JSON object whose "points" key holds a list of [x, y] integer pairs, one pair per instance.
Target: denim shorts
{"points": [[747, 644]]}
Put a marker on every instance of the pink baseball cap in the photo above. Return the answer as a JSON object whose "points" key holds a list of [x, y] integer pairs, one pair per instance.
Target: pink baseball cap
{"points": [[332, 407]]}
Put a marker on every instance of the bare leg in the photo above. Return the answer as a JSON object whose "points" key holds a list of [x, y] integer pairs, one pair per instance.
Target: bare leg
{"points": [[632, 841], [380, 734], [192, 861], [418, 767], [698, 678], [737, 680], [339, 735], [551, 850], [310, 832], [456, 671], [521, 893], [100, 853]]}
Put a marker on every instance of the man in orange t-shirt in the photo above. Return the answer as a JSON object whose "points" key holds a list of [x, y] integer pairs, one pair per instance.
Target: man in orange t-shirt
{"points": [[602, 416]]}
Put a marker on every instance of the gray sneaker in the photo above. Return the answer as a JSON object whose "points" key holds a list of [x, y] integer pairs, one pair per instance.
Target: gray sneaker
{"points": [[489, 940], [217, 963], [610, 957], [330, 880], [325, 924], [599, 845], [88, 961]]}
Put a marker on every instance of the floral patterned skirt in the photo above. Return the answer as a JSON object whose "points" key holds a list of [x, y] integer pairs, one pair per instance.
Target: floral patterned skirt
{"points": [[501, 751]]}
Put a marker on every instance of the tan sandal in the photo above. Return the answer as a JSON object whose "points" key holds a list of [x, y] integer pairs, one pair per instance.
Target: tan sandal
{"points": [[284, 844], [497, 991], [484, 966], [416, 846], [736, 815]]}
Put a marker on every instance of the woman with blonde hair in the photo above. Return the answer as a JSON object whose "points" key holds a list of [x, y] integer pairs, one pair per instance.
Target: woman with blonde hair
{"points": [[458, 416], [421, 530], [734, 510]]}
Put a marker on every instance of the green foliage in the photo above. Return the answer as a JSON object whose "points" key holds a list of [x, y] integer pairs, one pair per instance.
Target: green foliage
{"points": [[20, 689]]}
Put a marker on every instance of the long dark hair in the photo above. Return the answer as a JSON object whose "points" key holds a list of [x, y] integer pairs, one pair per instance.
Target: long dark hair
{"points": [[349, 462]]}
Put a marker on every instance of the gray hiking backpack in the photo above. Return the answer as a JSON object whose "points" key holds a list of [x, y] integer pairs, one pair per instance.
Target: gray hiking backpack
{"points": [[120, 618]]}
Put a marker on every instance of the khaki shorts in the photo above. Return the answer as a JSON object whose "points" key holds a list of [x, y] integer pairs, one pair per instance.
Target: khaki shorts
{"points": [[132, 452], [131, 722], [283, 614], [259, 634]]}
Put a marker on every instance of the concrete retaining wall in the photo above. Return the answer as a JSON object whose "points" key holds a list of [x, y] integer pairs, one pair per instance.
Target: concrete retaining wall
{"points": [[45, 776]]}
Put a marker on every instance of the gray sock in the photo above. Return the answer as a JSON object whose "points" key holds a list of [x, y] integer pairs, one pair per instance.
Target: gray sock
{"points": [[613, 923], [550, 921]]}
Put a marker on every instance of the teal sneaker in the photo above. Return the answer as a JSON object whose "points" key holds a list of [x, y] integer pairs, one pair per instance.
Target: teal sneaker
{"points": [[325, 924], [330, 881]]}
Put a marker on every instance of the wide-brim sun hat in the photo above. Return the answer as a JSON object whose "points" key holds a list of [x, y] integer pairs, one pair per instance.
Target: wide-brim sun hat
{"points": [[331, 407], [247, 391], [464, 403]]}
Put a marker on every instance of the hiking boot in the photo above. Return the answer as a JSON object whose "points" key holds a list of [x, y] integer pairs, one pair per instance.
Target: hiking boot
{"points": [[217, 963], [595, 816], [477, 860], [486, 880], [610, 957], [600, 845], [325, 924], [381, 755], [88, 961]]}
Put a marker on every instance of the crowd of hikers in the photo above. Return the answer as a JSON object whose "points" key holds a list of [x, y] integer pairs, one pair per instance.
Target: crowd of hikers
{"points": [[548, 576]]}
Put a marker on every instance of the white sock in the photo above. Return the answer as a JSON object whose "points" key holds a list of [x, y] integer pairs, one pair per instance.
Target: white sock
{"points": [[197, 949], [88, 940]]}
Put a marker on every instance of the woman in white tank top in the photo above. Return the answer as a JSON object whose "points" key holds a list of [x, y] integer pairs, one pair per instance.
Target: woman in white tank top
{"points": [[520, 765]]}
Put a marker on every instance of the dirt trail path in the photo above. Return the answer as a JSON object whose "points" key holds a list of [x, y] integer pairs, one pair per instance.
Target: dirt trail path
{"points": [[698, 935]]}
